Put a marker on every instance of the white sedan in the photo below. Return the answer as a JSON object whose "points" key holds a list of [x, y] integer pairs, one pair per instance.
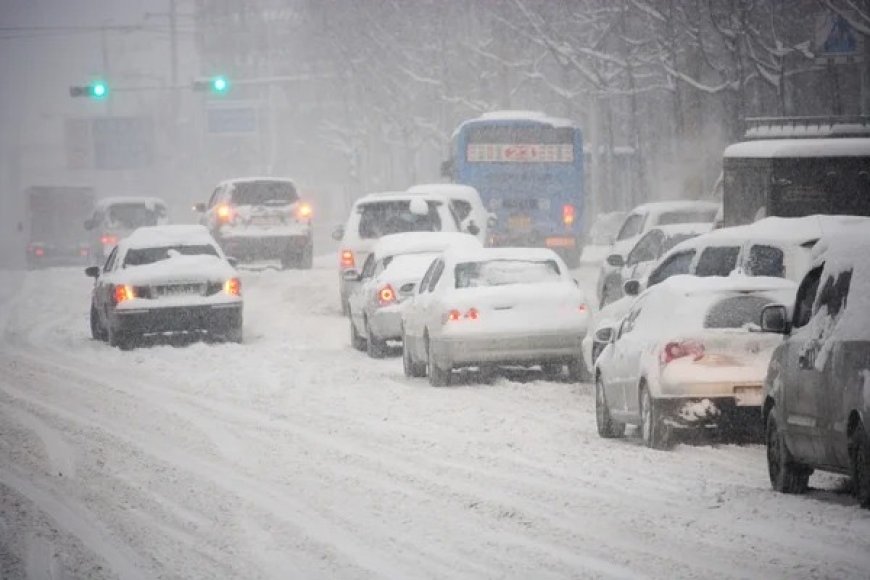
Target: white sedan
{"points": [[389, 276], [510, 306], [688, 354], [165, 279]]}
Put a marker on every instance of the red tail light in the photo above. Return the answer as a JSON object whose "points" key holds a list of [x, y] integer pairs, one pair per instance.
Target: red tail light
{"points": [[123, 292], [582, 309], [347, 261], [386, 295], [455, 315], [472, 314], [304, 211], [233, 287], [569, 212], [224, 213], [38, 251], [674, 350], [108, 240]]}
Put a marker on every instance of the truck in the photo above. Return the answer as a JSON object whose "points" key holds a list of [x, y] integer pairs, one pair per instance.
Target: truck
{"points": [[55, 232]]}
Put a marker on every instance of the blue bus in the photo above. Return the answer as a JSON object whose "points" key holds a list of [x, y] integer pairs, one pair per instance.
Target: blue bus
{"points": [[528, 169]]}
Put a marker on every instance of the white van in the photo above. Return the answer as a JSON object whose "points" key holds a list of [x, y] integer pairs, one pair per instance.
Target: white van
{"points": [[473, 216]]}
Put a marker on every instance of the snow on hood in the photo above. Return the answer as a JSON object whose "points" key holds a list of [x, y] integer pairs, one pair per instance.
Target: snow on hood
{"points": [[177, 268]]}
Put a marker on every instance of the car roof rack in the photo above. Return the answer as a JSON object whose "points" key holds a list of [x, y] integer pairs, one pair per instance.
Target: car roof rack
{"points": [[806, 127]]}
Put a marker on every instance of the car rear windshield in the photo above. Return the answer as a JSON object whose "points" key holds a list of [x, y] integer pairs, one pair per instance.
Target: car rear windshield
{"points": [[736, 312], [135, 215], [142, 256], [264, 193], [687, 216], [395, 217], [504, 272]]}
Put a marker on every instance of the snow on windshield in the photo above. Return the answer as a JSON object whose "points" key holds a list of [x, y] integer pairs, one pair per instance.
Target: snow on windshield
{"points": [[142, 256], [736, 312], [264, 193], [504, 272]]}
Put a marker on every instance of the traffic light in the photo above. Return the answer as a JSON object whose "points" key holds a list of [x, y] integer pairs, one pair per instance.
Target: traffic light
{"points": [[218, 85], [97, 90]]}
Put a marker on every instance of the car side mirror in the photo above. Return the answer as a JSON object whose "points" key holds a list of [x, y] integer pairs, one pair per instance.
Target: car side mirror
{"points": [[92, 271], [338, 233], [774, 318], [605, 335], [351, 276], [89, 224], [199, 207], [631, 287], [234, 262], [472, 229], [616, 260]]}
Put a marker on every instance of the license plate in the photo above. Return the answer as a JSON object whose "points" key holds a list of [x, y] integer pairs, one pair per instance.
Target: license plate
{"points": [[560, 242], [179, 290], [264, 220], [748, 396], [522, 222]]}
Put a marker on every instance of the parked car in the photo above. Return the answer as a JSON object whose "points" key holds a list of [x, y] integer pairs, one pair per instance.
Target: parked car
{"points": [[817, 390], [646, 253], [511, 306], [778, 247], [473, 216], [165, 279], [261, 218], [389, 277], [639, 221], [380, 214], [608, 317], [687, 354], [600, 236], [115, 218]]}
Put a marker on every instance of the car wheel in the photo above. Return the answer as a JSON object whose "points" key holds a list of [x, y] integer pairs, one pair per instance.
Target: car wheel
{"points": [[375, 347], [607, 427], [306, 261], [653, 430], [357, 341], [97, 330], [236, 335], [577, 371], [552, 371], [786, 476], [120, 340], [412, 368], [859, 452], [439, 376]]}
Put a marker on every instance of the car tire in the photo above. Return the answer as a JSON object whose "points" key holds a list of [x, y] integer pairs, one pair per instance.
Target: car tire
{"points": [[552, 371], [653, 431], [859, 454], [412, 368], [375, 347], [607, 427], [439, 376], [119, 340], [357, 341], [97, 330], [236, 335], [577, 371], [786, 476]]}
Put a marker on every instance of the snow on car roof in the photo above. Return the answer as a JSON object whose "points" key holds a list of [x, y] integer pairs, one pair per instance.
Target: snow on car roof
{"points": [[396, 195], [687, 228], [789, 230], [236, 180], [785, 148], [418, 242], [446, 189], [507, 115], [105, 202], [157, 236], [696, 285], [657, 207]]}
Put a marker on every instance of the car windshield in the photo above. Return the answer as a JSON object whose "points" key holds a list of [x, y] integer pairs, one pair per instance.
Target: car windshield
{"points": [[142, 256], [395, 217], [504, 272], [134, 215], [736, 312], [687, 216], [264, 193]]}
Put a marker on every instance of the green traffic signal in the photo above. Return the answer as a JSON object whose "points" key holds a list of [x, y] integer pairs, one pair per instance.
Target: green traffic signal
{"points": [[98, 90], [219, 84]]}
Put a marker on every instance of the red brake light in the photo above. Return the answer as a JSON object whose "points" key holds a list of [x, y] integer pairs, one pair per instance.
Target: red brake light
{"points": [[453, 315], [347, 261], [386, 295], [123, 292], [39, 251], [582, 309], [233, 287], [108, 240], [472, 314], [568, 214], [304, 211], [675, 350], [224, 213]]}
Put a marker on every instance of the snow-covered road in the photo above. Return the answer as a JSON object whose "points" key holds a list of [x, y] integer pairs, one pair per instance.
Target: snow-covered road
{"points": [[293, 456]]}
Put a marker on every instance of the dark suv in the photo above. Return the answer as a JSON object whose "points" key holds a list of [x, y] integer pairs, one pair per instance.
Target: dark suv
{"points": [[260, 219], [817, 390]]}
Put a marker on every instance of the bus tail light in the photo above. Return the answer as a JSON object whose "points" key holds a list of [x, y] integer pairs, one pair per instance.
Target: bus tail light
{"points": [[347, 261], [569, 213]]}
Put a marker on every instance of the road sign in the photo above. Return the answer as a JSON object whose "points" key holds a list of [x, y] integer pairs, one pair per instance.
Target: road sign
{"points": [[836, 41], [232, 119]]}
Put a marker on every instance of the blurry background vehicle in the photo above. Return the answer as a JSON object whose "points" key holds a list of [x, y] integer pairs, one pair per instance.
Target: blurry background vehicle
{"points": [[389, 277], [261, 219], [688, 354], [54, 225], [469, 209], [600, 236], [817, 390], [528, 169], [798, 166], [379, 214], [115, 218], [165, 279], [639, 221], [495, 306]]}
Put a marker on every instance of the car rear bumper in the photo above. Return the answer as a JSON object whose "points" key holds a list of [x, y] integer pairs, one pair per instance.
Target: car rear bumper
{"points": [[508, 349], [693, 412], [386, 323], [213, 318]]}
